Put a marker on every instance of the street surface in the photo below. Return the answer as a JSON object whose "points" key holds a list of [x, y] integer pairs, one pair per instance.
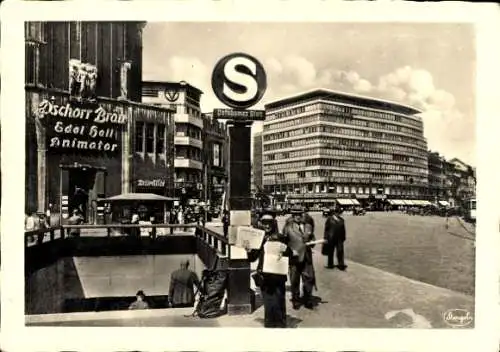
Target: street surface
{"points": [[403, 272], [416, 247]]}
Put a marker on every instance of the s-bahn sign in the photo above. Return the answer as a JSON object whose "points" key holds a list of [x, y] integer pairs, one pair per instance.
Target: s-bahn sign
{"points": [[239, 81]]}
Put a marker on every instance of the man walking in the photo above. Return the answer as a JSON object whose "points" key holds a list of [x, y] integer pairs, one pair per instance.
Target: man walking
{"points": [[182, 284], [335, 236], [301, 263]]}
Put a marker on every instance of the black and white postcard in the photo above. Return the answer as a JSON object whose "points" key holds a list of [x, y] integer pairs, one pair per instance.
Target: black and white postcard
{"points": [[156, 151]]}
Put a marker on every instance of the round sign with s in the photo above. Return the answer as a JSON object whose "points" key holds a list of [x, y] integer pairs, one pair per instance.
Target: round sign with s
{"points": [[239, 80]]}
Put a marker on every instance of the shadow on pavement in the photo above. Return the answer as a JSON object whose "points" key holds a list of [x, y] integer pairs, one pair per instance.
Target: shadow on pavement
{"points": [[291, 322]]}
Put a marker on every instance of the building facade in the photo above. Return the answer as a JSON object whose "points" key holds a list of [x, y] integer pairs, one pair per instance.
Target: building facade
{"points": [[215, 148], [184, 99], [82, 111], [322, 145], [257, 161], [438, 187], [461, 181]]}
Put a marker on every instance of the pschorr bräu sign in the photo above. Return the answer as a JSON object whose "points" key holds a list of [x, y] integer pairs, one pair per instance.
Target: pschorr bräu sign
{"points": [[81, 127]]}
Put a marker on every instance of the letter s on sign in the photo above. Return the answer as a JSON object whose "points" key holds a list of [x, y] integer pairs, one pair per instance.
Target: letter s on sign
{"points": [[239, 80]]}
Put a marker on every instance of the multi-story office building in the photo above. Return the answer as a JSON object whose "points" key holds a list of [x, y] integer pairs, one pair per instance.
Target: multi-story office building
{"points": [[215, 148], [323, 145], [438, 189], [257, 161], [184, 99], [88, 136]]}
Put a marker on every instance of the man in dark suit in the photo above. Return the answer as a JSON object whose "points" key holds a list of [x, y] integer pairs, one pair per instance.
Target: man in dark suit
{"points": [[182, 283], [335, 236]]}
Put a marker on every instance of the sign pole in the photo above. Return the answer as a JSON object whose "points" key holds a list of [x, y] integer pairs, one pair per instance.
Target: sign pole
{"points": [[231, 70]]}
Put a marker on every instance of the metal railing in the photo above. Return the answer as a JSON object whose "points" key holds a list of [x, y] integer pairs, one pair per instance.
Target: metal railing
{"points": [[210, 238]]}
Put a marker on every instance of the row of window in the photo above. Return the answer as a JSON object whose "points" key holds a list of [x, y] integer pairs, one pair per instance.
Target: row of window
{"points": [[188, 152], [187, 176], [366, 176], [187, 130], [344, 153], [344, 131], [354, 165], [150, 137], [343, 111], [355, 121], [349, 144]]}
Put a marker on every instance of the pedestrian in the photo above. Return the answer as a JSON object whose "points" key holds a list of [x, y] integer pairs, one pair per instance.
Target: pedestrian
{"points": [[48, 214], [272, 286], [135, 232], [173, 220], [226, 221], [75, 219], [299, 234], [335, 236], [180, 218], [140, 302], [182, 284]]}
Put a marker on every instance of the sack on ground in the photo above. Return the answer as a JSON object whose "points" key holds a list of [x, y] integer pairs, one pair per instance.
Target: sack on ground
{"points": [[213, 288]]}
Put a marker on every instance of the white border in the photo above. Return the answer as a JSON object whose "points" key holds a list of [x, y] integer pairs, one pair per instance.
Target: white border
{"points": [[16, 337]]}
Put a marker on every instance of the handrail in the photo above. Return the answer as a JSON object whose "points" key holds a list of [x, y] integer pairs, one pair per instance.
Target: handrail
{"points": [[215, 240]]}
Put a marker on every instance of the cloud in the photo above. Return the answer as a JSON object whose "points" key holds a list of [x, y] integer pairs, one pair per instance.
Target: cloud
{"points": [[447, 130]]}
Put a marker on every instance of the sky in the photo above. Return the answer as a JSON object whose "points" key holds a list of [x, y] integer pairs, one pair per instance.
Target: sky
{"points": [[428, 66]]}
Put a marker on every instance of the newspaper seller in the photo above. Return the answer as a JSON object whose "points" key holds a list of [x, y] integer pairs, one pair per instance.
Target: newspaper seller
{"points": [[271, 278], [301, 240]]}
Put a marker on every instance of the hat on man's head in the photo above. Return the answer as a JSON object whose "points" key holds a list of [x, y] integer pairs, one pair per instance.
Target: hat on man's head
{"points": [[266, 218], [297, 210]]}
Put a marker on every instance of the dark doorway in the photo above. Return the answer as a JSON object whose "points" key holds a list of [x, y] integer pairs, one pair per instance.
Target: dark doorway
{"points": [[81, 184]]}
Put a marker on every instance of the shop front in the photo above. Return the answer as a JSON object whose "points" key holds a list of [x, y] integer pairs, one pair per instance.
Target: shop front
{"points": [[73, 152], [80, 152]]}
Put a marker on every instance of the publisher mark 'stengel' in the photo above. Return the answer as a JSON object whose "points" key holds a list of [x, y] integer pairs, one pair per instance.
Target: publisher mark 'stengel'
{"points": [[458, 317], [81, 127]]}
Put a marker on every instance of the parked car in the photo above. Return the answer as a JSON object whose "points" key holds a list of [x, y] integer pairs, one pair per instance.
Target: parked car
{"points": [[358, 211]]}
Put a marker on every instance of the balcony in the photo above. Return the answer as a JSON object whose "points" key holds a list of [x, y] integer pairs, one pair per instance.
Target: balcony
{"points": [[185, 118], [188, 163], [183, 140]]}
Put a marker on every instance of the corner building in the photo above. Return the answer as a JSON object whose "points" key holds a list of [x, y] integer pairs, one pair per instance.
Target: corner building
{"points": [[83, 93], [184, 100], [323, 145]]}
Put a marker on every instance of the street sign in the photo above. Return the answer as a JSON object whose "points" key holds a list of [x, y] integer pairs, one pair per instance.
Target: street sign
{"points": [[241, 115], [239, 80]]}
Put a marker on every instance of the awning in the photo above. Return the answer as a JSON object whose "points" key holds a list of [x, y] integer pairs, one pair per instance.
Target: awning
{"points": [[426, 202], [139, 197], [444, 203], [407, 202], [345, 201], [393, 201], [355, 202]]}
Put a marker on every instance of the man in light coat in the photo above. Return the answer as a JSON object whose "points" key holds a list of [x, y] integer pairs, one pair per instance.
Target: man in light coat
{"points": [[301, 263]]}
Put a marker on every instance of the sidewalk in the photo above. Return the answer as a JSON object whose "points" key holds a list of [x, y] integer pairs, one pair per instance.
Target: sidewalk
{"points": [[361, 297]]}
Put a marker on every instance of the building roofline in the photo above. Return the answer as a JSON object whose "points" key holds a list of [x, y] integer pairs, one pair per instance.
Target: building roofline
{"points": [[172, 83], [319, 92]]}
